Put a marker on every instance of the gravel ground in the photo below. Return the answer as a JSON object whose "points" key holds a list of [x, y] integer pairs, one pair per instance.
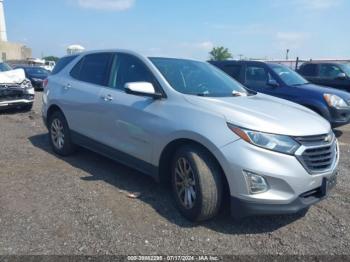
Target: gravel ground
{"points": [[81, 205]]}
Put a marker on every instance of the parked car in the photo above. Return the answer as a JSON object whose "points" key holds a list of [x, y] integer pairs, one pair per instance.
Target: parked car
{"points": [[336, 75], [280, 81], [36, 75], [4, 67], [188, 123], [15, 90]]}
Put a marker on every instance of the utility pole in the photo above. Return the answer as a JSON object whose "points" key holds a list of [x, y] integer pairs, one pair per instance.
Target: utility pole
{"points": [[287, 54]]}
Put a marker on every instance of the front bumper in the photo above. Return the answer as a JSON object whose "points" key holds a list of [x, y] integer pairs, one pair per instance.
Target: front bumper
{"points": [[16, 97], [15, 103], [339, 117], [288, 180], [241, 208]]}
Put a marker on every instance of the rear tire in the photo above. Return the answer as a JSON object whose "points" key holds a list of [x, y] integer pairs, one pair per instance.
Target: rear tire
{"points": [[196, 183], [59, 135]]}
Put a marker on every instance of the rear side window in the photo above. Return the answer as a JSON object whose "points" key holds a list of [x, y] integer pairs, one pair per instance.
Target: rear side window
{"points": [[93, 69], [62, 63], [233, 70], [309, 70]]}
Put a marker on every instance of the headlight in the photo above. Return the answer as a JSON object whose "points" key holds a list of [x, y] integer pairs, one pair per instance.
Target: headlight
{"points": [[277, 143], [26, 84], [335, 101]]}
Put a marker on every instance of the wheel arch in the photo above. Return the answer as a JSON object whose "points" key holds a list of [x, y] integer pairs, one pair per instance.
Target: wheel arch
{"points": [[168, 152], [53, 108]]}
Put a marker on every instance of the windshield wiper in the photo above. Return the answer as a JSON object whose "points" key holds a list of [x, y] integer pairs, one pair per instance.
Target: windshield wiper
{"points": [[307, 83], [206, 93]]}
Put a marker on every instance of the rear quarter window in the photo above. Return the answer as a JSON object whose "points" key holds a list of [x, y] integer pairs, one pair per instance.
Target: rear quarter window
{"points": [[62, 63]]}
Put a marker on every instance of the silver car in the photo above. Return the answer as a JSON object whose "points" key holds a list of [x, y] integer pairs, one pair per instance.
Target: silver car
{"points": [[188, 123]]}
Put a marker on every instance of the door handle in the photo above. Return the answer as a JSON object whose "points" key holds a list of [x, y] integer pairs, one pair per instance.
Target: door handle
{"points": [[67, 87], [107, 98]]}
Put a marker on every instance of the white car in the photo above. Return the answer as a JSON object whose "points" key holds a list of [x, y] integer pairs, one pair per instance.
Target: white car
{"points": [[15, 90]]}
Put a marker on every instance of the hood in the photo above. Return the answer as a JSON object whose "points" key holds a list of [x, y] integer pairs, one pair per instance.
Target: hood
{"points": [[265, 113], [325, 90], [16, 76]]}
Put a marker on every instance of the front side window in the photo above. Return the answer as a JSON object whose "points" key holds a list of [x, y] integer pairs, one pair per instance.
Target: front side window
{"points": [[346, 69], [256, 75], [288, 76], [197, 78], [129, 69], [330, 71]]}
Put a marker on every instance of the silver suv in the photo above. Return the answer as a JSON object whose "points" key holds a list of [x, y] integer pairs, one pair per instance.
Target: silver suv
{"points": [[186, 122]]}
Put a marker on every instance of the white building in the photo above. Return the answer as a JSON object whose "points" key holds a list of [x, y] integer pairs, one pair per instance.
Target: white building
{"points": [[8, 50], [75, 49]]}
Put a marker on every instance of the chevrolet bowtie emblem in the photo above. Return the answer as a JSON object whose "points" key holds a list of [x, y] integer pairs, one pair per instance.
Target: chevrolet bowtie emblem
{"points": [[328, 138]]}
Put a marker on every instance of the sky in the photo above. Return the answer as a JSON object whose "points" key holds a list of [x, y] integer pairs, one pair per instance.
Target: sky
{"points": [[184, 28]]}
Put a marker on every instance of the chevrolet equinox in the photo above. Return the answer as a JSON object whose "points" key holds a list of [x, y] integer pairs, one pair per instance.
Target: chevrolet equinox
{"points": [[188, 123]]}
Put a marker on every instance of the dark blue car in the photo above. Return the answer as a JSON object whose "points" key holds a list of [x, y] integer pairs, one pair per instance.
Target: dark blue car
{"points": [[280, 81]]}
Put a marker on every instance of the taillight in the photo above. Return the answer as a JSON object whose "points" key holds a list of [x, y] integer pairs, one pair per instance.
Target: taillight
{"points": [[45, 83]]}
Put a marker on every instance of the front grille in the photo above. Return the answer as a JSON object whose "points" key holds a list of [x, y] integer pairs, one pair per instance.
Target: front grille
{"points": [[8, 94], [319, 153], [315, 140], [9, 86]]}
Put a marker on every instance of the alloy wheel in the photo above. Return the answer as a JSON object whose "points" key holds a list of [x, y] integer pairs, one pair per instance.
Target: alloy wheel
{"points": [[185, 183], [57, 133]]}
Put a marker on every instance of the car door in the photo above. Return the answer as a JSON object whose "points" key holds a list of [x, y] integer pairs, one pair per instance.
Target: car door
{"points": [[262, 79], [257, 77], [81, 93], [329, 76], [128, 121]]}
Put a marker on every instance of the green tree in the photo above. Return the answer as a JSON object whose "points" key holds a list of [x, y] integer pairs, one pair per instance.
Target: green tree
{"points": [[220, 54], [51, 58]]}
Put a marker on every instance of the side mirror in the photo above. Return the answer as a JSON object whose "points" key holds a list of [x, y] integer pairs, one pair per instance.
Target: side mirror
{"points": [[272, 83], [142, 89], [341, 76]]}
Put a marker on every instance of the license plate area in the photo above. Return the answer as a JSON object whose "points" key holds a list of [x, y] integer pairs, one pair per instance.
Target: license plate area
{"points": [[329, 183]]}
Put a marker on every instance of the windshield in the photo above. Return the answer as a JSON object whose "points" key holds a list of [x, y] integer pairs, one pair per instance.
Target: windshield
{"points": [[36, 71], [4, 67], [346, 69], [288, 76], [197, 78]]}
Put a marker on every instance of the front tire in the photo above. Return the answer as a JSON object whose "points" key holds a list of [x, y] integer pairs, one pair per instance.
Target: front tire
{"points": [[196, 183], [59, 134]]}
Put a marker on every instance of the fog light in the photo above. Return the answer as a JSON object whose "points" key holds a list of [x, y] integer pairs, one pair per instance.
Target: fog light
{"points": [[256, 183]]}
